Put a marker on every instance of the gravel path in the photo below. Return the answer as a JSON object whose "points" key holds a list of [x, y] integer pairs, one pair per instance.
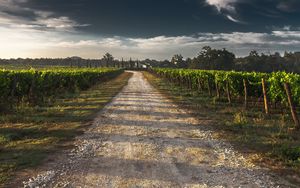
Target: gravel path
{"points": [[142, 139]]}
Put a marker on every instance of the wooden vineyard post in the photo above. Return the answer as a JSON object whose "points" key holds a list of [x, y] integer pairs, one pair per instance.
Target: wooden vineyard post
{"points": [[292, 105], [228, 92], [199, 85], [31, 93], [265, 96], [181, 82], [13, 90], [208, 87], [245, 94], [217, 90], [13, 87], [189, 83]]}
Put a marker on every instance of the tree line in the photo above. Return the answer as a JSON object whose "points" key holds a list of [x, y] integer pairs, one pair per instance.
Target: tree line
{"points": [[207, 59], [76, 62], [221, 59]]}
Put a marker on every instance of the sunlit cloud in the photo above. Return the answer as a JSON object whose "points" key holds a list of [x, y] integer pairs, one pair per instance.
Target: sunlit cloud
{"points": [[222, 4], [226, 7], [233, 19], [287, 34], [28, 42]]}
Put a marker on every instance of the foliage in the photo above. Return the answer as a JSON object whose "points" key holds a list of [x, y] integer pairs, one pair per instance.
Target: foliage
{"points": [[177, 61], [239, 118], [108, 59], [268, 141], [33, 84], [205, 78], [209, 58], [289, 153], [30, 133]]}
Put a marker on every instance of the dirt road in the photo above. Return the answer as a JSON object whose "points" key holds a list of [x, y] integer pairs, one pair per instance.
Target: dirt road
{"points": [[142, 139]]}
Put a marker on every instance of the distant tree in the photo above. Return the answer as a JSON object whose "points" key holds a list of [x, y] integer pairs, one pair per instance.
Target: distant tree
{"points": [[252, 62], [253, 54], [194, 64], [209, 58], [262, 63], [188, 62], [166, 63], [177, 61], [108, 59]]}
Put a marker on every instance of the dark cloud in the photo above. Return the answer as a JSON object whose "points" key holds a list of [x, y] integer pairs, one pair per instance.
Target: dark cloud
{"points": [[149, 18], [289, 5], [19, 13]]}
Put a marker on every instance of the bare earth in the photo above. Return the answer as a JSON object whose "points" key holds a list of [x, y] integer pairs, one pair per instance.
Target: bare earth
{"points": [[142, 139]]}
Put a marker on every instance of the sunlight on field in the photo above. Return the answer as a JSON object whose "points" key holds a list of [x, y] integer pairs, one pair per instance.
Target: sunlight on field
{"points": [[31, 133]]}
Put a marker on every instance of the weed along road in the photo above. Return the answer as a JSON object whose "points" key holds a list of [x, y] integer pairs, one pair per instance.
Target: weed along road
{"points": [[142, 139]]}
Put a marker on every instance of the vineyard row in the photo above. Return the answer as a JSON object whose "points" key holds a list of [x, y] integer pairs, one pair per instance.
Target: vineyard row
{"points": [[33, 85], [277, 87]]}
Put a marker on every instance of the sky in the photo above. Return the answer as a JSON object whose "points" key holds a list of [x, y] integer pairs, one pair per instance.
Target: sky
{"points": [[140, 29]]}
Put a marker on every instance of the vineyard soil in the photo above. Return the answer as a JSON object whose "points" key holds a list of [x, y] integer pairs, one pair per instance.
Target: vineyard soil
{"points": [[143, 139]]}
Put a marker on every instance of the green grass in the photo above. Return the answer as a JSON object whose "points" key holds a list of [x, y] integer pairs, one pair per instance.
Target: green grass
{"points": [[267, 140], [28, 134]]}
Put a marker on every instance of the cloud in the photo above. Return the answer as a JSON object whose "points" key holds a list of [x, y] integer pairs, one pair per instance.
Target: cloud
{"points": [[286, 34], [287, 27], [288, 5], [233, 19], [57, 23], [26, 42], [266, 8], [220, 5], [45, 34], [226, 7], [16, 14]]}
